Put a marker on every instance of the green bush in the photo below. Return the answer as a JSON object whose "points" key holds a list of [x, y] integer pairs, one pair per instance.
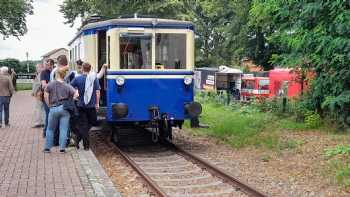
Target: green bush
{"points": [[312, 120]]}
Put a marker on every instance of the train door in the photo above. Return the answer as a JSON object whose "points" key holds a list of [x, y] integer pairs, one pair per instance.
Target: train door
{"points": [[102, 59]]}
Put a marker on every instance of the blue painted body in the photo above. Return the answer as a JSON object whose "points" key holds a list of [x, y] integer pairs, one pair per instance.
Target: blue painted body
{"points": [[168, 93]]}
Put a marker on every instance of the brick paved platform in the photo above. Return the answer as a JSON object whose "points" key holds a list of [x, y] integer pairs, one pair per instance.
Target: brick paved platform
{"points": [[26, 171]]}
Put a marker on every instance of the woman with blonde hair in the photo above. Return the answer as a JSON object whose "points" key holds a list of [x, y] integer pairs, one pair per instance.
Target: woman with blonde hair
{"points": [[56, 93]]}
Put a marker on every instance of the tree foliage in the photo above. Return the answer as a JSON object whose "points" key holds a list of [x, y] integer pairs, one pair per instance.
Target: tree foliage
{"points": [[13, 17], [314, 35], [18, 66]]}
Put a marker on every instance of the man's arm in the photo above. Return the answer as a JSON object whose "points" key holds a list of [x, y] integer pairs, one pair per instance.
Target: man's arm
{"points": [[11, 88], [97, 99], [46, 97], [102, 71]]}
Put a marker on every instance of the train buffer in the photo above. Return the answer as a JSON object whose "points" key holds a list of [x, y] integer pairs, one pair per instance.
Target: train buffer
{"points": [[26, 171]]}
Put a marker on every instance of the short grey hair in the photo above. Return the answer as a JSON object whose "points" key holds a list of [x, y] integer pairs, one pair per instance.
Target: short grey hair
{"points": [[4, 70]]}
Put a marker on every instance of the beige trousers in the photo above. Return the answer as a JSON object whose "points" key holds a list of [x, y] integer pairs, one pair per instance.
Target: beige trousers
{"points": [[39, 113]]}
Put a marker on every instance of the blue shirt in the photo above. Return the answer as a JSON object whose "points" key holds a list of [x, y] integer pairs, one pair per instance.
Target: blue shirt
{"points": [[45, 75], [79, 84]]}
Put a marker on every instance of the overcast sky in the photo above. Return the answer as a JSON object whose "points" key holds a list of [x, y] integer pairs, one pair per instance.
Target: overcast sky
{"points": [[46, 31]]}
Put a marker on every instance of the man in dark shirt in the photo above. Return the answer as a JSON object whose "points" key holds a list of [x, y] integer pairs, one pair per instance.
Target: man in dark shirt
{"points": [[87, 104], [45, 79]]}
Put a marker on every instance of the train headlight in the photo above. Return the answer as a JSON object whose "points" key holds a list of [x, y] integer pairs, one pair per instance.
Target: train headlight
{"points": [[120, 80], [188, 80]]}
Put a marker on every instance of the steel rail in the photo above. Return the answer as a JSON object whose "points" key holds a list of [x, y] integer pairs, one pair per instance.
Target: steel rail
{"points": [[148, 179], [218, 172]]}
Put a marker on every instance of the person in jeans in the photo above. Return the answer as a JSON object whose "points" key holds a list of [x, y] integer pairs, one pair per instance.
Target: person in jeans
{"points": [[55, 93], [6, 91], [45, 79], [89, 90]]}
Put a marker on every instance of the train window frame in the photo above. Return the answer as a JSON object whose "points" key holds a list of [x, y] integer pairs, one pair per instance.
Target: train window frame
{"points": [[266, 85], [149, 56], [248, 84], [162, 51], [115, 35]]}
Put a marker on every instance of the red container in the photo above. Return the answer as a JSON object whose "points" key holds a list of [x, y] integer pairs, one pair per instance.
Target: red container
{"points": [[283, 79]]}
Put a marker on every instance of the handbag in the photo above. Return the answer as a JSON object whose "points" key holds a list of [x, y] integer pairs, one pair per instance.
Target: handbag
{"points": [[40, 95], [69, 105]]}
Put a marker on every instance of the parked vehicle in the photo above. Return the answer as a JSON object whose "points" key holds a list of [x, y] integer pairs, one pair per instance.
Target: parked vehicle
{"points": [[257, 87]]}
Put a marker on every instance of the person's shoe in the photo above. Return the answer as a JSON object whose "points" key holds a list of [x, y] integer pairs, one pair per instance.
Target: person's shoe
{"points": [[7, 125], [62, 151], [46, 150], [0, 126], [86, 147], [36, 126]]}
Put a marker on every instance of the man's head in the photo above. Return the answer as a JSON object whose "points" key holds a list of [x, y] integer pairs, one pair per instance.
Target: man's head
{"points": [[61, 72], [62, 61], [4, 70], [39, 68], [79, 65], [86, 67], [49, 64]]}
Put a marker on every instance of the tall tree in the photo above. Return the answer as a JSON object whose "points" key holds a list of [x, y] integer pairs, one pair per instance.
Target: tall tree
{"points": [[13, 17], [314, 34]]}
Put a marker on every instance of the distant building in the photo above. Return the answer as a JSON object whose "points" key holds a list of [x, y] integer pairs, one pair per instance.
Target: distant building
{"points": [[55, 53]]}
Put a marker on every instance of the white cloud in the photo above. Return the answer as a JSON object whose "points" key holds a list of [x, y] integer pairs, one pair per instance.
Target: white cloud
{"points": [[46, 31]]}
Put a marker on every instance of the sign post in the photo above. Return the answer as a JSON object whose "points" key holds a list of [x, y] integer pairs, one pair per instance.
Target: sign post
{"points": [[27, 54]]}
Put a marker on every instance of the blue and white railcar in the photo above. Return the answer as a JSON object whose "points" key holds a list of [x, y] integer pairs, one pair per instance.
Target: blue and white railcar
{"points": [[149, 81]]}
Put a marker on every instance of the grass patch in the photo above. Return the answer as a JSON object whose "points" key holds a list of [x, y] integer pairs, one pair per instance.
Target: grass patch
{"points": [[340, 171], [238, 125], [292, 125], [242, 125], [23, 86]]}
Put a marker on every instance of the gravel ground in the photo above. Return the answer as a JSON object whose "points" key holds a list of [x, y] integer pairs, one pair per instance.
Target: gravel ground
{"points": [[178, 176], [291, 172], [126, 180]]}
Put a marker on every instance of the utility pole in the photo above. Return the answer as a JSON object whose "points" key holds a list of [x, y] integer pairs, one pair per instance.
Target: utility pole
{"points": [[27, 54]]}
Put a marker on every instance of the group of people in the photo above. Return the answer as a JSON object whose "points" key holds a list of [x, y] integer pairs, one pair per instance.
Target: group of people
{"points": [[7, 89], [56, 89]]}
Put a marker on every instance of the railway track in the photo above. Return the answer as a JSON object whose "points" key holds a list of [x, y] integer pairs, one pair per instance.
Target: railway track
{"points": [[172, 171]]}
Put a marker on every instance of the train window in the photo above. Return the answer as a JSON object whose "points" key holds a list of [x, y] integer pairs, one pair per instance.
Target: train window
{"points": [[171, 51], [248, 84], [264, 84], [135, 51]]}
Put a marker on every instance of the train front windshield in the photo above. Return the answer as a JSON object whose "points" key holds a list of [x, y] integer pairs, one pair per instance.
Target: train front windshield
{"points": [[136, 51], [171, 51]]}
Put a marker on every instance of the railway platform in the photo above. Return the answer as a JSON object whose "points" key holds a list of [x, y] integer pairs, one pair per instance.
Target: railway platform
{"points": [[26, 171]]}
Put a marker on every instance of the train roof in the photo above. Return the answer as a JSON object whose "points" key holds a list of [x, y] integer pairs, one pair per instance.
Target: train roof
{"points": [[92, 28]]}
